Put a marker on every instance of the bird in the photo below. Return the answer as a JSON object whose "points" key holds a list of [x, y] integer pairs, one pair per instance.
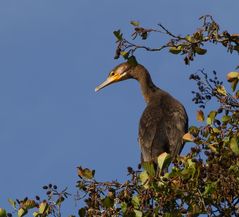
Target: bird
{"points": [[164, 120]]}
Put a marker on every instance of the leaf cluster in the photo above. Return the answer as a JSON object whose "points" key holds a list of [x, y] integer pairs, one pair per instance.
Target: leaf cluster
{"points": [[205, 181], [189, 45], [50, 206]]}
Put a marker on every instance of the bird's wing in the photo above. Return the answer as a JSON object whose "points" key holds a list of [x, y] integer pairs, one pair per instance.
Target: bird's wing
{"points": [[161, 130], [152, 136], [176, 128]]}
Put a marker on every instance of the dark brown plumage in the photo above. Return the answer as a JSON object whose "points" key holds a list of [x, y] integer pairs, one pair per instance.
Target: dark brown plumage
{"points": [[164, 120]]}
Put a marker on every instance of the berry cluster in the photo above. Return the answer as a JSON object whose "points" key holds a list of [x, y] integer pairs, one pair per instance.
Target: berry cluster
{"points": [[206, 87]]}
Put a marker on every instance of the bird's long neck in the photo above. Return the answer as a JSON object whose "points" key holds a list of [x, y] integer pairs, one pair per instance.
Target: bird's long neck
{"points": [[146, 84]]}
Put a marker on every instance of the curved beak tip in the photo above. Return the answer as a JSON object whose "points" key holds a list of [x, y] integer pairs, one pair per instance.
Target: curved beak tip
{"points": [[102, 85]]}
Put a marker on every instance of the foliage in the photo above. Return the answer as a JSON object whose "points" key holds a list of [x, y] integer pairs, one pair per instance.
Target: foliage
{"points": [[189, 45], [50, 206], [205, 181]]}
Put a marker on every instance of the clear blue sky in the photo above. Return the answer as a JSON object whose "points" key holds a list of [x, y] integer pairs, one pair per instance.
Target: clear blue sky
{"points": [[52, 55]]}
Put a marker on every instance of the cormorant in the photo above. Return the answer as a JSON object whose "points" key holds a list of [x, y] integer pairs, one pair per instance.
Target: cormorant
{"points": [[164, 120]]}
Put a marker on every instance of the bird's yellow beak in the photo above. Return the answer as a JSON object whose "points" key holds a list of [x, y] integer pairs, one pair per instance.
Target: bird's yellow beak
{"points": [[111, 79]]}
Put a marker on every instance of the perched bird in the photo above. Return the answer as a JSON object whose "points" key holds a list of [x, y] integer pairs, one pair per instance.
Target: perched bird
{"points": [[164, 120]]}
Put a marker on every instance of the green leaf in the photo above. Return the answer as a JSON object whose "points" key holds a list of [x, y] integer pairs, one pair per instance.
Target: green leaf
{"points": [[135, 23], [216, 130], [29, 204], [221, 89], [234, 168], [124, 207], [200, 50], [35, 214], [189, 170], [234, 145], [138, 213], [175, 50], [192, 167], [12, 202], [108, 202], [232, 75], [21, 212], [198, 35], [118, 35], [200, 116], [211, 117], [226, 139], [60, 200], [189, 38], [210, 188], [226, 118], [144, 177], [43, 207], [86, 173], [164, 160], [194, 131], [3, 212], [149, 167], [136, 202], [124, 54], [212, 147]]}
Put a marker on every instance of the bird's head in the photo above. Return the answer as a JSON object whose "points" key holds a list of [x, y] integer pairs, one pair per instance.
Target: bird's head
{"points": [[119, 73]]}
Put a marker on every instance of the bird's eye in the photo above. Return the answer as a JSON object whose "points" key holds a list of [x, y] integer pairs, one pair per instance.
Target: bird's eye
{"points": [[112, 74]]}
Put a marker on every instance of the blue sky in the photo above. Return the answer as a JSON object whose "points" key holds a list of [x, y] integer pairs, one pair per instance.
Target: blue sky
{"points": [[53, 54]]}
